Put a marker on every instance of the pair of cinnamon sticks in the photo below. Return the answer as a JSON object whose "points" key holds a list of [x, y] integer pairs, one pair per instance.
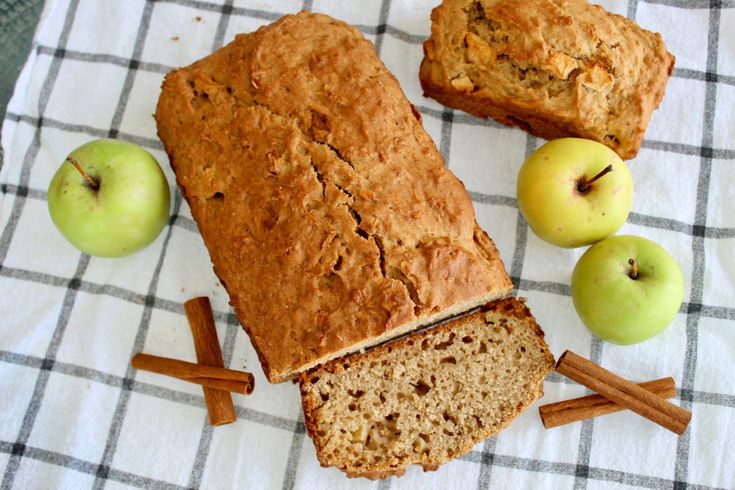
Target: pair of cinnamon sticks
{"points": [[614, 394], [210, 372]]}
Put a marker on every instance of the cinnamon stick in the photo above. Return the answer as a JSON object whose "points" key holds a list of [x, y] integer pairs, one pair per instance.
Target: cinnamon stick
{"points": [[209, 376], [219, 403], [568, 411], [623, 392]]}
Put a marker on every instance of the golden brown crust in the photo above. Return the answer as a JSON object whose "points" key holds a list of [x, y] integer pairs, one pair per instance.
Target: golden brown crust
{"points": [[553, 68], [506, 308], [326, 208]]}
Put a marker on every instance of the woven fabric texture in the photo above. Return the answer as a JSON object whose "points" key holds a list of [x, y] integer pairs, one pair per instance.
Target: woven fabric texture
{"points": [[74, 414]]}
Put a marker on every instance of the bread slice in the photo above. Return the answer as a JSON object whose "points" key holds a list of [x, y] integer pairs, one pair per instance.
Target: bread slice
{"points": [[326, 208], [553, 68], [429, 397]]}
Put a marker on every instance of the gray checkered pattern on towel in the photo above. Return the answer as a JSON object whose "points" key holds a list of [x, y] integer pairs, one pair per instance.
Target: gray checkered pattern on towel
{"points": [[73, 414]]}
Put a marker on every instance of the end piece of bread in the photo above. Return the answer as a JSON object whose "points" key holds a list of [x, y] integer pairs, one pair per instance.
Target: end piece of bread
{"points": [[429, 397], [553, 68]]}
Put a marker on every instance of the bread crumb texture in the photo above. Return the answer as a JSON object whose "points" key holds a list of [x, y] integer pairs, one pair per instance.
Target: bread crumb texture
{"points": [[326, 208], [551, 67], [427, 398]]}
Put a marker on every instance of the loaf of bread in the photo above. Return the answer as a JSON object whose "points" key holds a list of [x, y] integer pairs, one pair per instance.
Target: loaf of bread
{"points": [[553, 68], [326, 208], [429, 397]]}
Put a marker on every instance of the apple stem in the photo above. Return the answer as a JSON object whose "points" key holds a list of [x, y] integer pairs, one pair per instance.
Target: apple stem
{"points": [[584, 185], [90, 181], [633, 274]]}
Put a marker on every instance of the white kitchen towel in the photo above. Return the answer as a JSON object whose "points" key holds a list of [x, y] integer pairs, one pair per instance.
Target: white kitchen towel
{"points": [[73, 414]]}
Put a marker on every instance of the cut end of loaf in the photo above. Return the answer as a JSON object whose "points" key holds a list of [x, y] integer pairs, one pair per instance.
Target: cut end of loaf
{"points": [[427, 398], [503, 290]]}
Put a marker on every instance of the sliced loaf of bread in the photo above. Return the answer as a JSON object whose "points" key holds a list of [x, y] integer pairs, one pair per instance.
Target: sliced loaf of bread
{"points": [[429, 397]]}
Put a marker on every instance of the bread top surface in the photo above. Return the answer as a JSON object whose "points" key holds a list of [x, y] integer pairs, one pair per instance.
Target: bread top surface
{"points": [[565, 61], [428, 397], [326, 208]]}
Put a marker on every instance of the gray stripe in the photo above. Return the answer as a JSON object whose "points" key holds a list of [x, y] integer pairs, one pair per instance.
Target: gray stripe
{"points": [[382, 21], [721, 312], [102, 58], [187, 223], [687, 73], [106, 289], [632, 9], [384, 484], [149, 143], [684, 149], [307, 5], [224, 21], [122, 103], [62, 368], [29, 417], [661, 223], [405, 36], [205, 441], [294, 454], [555, 377], [118, 417], [486, 463], [693, 4], [240, 11], [445, 143], [716, 399], [537, 465], [32, 193], [460, 117], [569, 469], [680, 226], [585, 435], [82, 466], [519, 252], [141, 481], [391, 31], [681, 469], [494, 199], [545, 286]]}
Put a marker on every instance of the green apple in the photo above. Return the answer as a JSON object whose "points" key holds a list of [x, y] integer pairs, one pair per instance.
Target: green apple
{"points": [[627, 289], [574, 192], [109, 198]]}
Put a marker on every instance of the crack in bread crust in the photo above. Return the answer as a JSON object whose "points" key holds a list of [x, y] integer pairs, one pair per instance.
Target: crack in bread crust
{"points": [[325, 207]]}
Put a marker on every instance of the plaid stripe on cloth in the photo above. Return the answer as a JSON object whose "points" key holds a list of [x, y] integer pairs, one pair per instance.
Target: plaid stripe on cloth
{"points": [[73, 414]]}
